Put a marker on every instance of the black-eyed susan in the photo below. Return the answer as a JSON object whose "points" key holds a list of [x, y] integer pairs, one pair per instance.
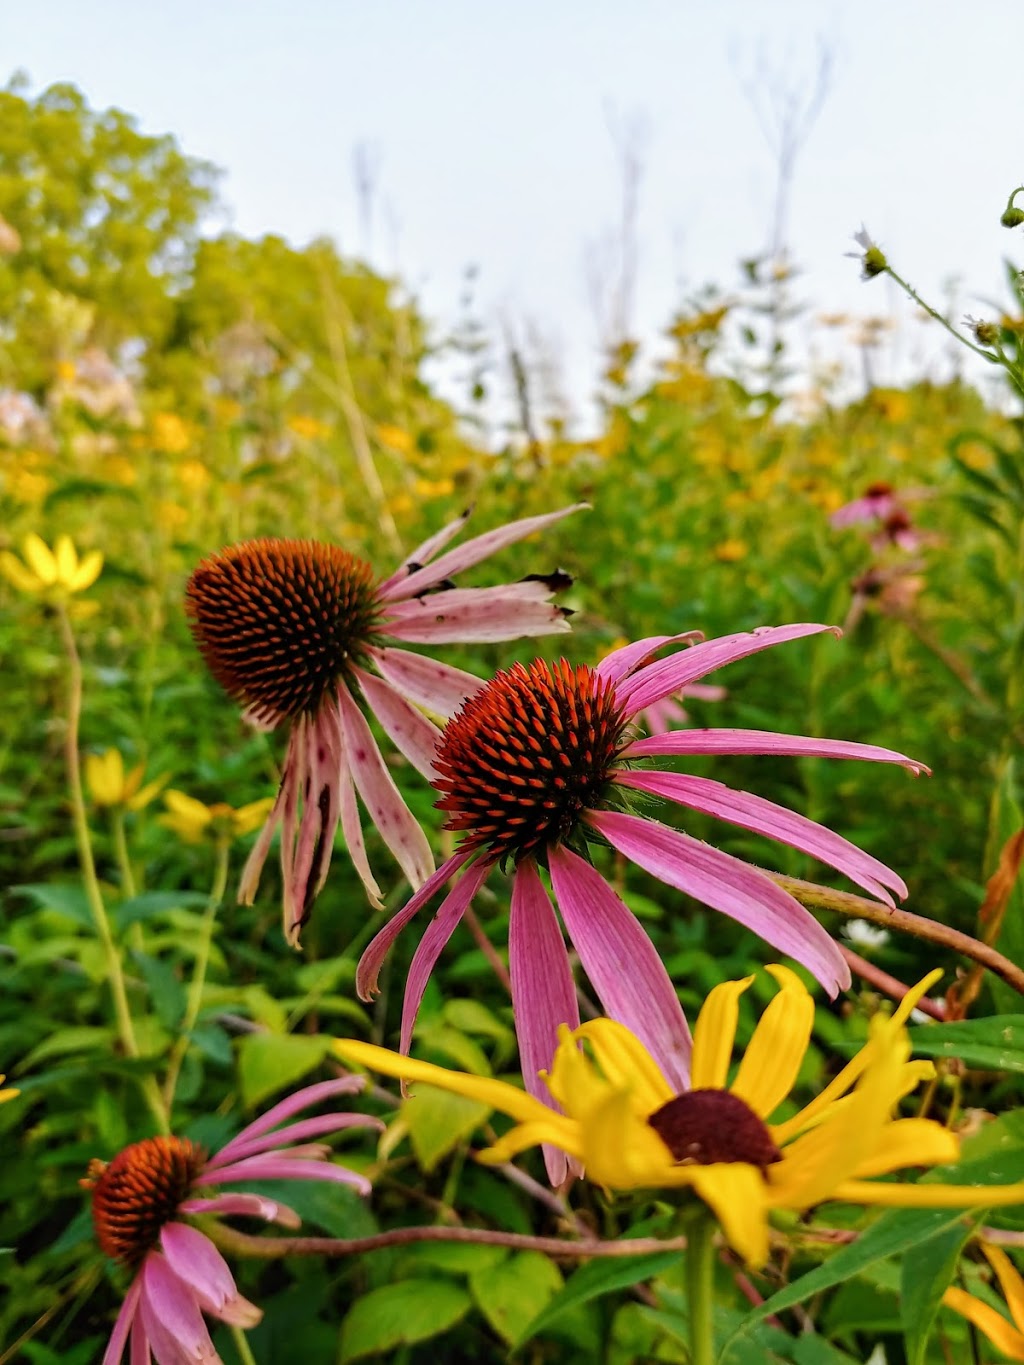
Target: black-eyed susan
{"points": [[628, 1128], [109, 785], [55, 574]]}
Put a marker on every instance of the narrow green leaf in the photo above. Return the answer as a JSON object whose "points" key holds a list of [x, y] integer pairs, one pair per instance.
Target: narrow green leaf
{"points": [[992, 1044], [165, 990], [925, 1275]]}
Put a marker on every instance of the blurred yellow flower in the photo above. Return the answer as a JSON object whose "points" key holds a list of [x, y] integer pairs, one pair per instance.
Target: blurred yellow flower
{"points": [[433, 488], [193, 821], [308, 428], [170, 433], [171, 515], [7, 1094], [1005, 1336], [193, 475], [729, 551], [109, 785], [395, 438], [26, 487], [120, 470], [56, 573]]}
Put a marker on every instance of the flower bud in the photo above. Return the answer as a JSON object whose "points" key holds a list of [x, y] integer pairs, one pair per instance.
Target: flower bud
{"points": [[1012, 216]]}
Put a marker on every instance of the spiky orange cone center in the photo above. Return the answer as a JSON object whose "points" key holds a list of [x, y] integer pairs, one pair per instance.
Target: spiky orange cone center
{"points": [[139, 1192]]}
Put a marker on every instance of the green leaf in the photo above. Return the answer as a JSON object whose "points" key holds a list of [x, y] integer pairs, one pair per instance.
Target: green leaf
{"points": [[925, 1275], [510, 1293], [165, 990], [401, 1315], [1007, 818], [268, 1062], [338, 1209], [438, 1122], [65, 1040], [993, 1044], [592, 1281], [151, 903], [67, 900]]}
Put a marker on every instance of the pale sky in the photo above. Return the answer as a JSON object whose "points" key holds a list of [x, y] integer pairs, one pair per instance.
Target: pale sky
{"points": [[490, 130]]}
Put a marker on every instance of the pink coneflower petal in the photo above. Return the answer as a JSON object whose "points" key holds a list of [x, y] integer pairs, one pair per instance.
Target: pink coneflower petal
{"points": [[407, 728], [249, 1205], [295, 1132], [436, 686], [659, 679], [543, 992], [774, 822], [369, 965], [729, 885], [426, 552], [171, 1316], [397, 825], [621, 662], [471, 552], [352, 829], [621, 961], [284, 1109], [437, 934], [766, 742], [271, 1167], [197, 1262], [123, 1325], [478, 615]]}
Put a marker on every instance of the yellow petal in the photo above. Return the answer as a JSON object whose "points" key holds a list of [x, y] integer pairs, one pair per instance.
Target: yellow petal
{"points": [[928, 1195], [620, 1149], [40, 560], [67, 561], [776, 1051], [87, 572], [735, 1192], [554, 1129], [250, 817], [626, 1064], [1010, 1281], [714, 1035], [104, 776], [1002, 1334], [146, 794], [507, 1099], [15, 572], [910, 1142]]}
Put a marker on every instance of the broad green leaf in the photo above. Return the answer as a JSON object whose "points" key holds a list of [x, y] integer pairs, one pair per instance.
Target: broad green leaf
{"points": [[456, 1258], [925, 1274], [472, 1016], [151, 903], [338, 1209], [67, 899], [511, 1292], [401, 1315], [438, 1122], [993, 1044], [268, 1062], [81, 1039], [592, 1281]]}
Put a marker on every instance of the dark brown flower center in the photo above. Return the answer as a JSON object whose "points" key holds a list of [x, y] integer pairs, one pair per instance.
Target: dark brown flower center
{"points": [[280, 621], [708, 1126], [527, 754], [140, 1191]]}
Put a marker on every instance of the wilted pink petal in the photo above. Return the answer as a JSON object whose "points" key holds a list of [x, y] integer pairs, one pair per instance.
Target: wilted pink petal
{"points": [[407, 728], [774, 822], [251, 1205], [423, 680], [622, 963], [424, 553], [726, 884], [444, 618]]}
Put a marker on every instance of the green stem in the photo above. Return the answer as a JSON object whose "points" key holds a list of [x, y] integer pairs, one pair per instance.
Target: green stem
{"points": [[94, 896], [700, 1272], [124, 867], [242, 1346], [202, 962]]}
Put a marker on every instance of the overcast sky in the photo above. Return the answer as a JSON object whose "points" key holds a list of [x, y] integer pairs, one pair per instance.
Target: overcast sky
{"points": [[493, 136]]}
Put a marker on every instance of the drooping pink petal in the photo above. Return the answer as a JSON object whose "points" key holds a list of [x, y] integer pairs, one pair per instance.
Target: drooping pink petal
{"points": [[621, 961], [119, 1336], [423, 680], [436, 935], [409, 730], [657, 680], [478, 615], [198, 1263], [321, 778], [368, 968], [281, 1139], [140, 1353], [472, 552], [398, 827], [170, 1313], [352, 829], [284, 1109], [285, 800], [250, 1205], [621, 662], [765, 742], [543, 991], [424, 553], [774, 822], [269, 1166], [729, 885]]}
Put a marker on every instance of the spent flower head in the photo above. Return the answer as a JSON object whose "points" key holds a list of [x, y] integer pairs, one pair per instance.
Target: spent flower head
{"points": [[55, 574], [142, 1199], [303, 634], [545, 761], [629, 1125]]}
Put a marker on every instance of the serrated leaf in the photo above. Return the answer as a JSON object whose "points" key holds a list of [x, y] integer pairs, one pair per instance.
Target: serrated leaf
{"points": [[993, 1044], [510, 1293], [401, 1315], [925, 1275], [438, 1122], [268, 1062]]}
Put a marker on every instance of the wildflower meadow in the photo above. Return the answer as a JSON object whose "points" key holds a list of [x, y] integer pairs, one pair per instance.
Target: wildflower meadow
{"points": [[483, 896]]}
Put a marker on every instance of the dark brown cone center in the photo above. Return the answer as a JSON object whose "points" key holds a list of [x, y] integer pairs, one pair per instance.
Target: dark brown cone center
{"points": [[139, 1192], [527, 755], [705, 1127]]}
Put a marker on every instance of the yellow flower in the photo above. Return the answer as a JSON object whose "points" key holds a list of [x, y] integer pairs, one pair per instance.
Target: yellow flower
{"points": [[729, 551], [395, 437], [109, 785], [170, 433], [1007, 1337], [7, 1094], [626, 1126], [308, 428], [194, 821], [56, 573]]}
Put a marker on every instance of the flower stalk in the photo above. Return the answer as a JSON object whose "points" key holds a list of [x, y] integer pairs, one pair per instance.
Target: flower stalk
{"points": [[700, 1270]]}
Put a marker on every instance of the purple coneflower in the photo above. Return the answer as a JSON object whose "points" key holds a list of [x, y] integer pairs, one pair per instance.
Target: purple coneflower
{"points": [[300, 633], [542, 761], [139, 1197]]}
